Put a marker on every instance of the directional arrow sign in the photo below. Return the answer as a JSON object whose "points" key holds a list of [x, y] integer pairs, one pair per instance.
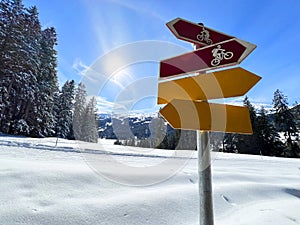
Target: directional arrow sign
{"points": [[221, 84], [223, 54], [192, 115], [195, 33]]}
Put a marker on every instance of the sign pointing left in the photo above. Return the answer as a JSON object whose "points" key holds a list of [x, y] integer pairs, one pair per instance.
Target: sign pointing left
{"points": [[192, 115]]}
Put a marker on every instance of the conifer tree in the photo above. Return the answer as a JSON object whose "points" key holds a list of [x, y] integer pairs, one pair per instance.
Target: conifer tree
{"points": [[248, 144], [285, 121], [269, 139], [158, 129], [64, 110], [187, 140], [79, 111], [230, 143], [90, 126], [47, 82], [26, 85], [12, 71], [85, 125]]}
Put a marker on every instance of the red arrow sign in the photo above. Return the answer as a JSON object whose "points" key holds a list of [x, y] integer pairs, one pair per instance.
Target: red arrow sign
{"points": [[223, 54], [195, 33]]}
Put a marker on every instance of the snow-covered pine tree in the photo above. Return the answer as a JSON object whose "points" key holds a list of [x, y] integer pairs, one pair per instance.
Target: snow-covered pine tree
{"points": [[229, 143], [17, 68], [47, 82], [5, 29], [79, 111], [27, 70], [285, 121], [160, 128], [248, 144], [187, 140], [30, 91], [269, 140], [64, 110], [90, 126]]}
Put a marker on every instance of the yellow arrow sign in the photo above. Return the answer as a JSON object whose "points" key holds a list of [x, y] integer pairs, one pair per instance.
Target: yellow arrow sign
{"points": [[221, 84], [192, 115]]}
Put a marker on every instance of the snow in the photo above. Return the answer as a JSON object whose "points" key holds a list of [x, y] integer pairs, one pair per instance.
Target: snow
{"points": [[78, 183]]}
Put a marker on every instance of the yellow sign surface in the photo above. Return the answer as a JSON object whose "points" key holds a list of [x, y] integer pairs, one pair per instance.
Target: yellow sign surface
{"points": [[193, 115], [221, 84]]}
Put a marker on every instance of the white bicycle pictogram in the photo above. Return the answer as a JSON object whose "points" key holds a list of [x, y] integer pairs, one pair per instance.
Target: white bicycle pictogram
{"points": [[204, 36], [220, 54]]}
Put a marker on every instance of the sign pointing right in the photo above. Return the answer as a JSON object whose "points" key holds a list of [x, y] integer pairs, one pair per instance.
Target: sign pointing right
{"points": [[227, 53], [221, 84]]}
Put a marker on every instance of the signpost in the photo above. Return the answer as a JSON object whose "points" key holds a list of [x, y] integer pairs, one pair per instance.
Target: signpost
{"points": [[215, 56], [186, 98]]}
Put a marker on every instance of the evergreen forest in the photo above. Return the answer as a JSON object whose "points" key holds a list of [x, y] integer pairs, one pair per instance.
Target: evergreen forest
{"points": [[31, 101]]}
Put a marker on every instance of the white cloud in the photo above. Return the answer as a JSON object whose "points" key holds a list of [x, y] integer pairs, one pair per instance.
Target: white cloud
{"points": [[139, 7], [80, 67], [105, 106]]}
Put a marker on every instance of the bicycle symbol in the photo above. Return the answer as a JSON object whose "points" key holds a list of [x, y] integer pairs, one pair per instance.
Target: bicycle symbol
{"points": [[219, 55], [204, 36]]}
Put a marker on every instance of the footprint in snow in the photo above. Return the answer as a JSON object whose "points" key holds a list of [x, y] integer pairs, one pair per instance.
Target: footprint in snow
{"points": [[226, 199], [292, 219], [191, 180]]}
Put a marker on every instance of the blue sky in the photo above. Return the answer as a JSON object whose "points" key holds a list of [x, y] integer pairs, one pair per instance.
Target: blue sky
{"points": [[90, 29]]}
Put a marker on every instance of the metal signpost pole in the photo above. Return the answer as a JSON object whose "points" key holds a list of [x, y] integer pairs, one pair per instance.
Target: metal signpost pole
{"points": [[206, 216]]}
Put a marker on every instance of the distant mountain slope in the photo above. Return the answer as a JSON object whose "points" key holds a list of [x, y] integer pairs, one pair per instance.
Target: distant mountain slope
{"points": [[111, 127], [138, 125]]}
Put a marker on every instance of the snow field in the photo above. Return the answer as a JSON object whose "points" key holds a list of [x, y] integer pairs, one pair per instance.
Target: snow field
{"points": [[41, 184]]}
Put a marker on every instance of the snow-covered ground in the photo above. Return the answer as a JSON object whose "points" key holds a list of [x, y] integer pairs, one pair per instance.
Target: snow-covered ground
{"points": [[76, 183]]}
